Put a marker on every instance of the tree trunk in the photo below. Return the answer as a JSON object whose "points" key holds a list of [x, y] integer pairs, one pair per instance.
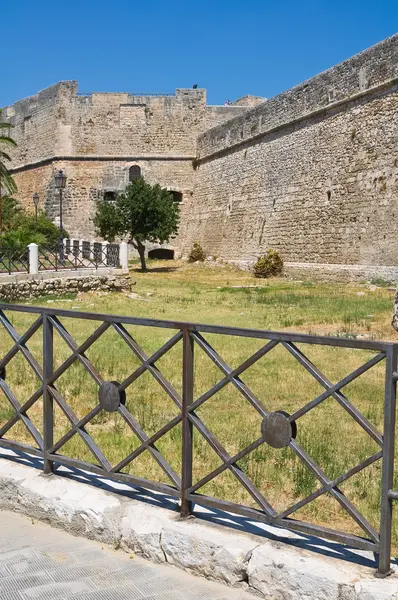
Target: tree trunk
{"points": [[141, 252]]}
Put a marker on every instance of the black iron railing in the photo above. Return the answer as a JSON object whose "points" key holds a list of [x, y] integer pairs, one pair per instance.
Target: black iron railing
{"points": [[278, 429], [74, 258], [14, 260]]}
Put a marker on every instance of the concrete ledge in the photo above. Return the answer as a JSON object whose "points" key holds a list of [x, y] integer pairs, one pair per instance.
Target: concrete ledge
{"points": [[259, 563]]}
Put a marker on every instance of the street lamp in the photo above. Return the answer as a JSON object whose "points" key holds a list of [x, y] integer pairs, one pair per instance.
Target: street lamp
{"points": [[60, 183], [36, 203]]}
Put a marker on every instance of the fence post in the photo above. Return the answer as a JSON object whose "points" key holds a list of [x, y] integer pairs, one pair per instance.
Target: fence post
{"points": [[33, 259], [387, 483], [124, 257], [48, 410], [81, 249], [187, 428], [92, 252]]}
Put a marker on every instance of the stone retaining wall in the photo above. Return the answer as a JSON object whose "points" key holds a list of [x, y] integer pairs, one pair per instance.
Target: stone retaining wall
{"points": [[35, 287], [340, 273]]}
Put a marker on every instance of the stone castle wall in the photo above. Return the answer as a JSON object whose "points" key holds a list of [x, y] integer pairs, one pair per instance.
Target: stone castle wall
{"points": [[312, 172], [97, 137]]}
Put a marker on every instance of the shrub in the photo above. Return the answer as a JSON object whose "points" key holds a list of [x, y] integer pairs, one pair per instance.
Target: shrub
{"points": [[24, 230], [44, 227], [11, 211], [197, 253], [269, 265], [19, 239]]}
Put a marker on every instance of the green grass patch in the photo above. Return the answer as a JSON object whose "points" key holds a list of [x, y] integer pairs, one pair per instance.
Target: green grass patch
{"points": [[180, 292]]}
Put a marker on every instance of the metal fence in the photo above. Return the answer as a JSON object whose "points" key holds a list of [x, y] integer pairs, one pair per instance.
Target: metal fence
{"points": [[14, 260], [75, 257], [74, 254], [278, 428]]}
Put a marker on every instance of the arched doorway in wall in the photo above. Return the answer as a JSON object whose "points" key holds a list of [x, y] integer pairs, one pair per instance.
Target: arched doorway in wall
{"points": [[134, 173]]}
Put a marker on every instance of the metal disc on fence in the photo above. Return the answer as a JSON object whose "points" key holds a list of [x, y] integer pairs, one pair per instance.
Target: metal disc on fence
{"points": [[277, 429], [110, 397]]}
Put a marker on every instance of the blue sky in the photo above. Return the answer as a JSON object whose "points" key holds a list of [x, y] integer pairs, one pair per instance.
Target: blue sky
{"points": [[232, 48]]}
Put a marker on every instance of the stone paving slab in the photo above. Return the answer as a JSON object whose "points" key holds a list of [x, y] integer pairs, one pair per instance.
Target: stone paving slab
{"points": [[54, 565]]}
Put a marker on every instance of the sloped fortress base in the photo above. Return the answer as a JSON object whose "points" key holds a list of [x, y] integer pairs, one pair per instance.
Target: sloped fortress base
{"points": [[274, 569]]}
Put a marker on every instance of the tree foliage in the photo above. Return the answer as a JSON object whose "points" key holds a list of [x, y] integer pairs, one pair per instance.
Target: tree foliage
{"points": [[11, 212], [21, 228], [143, 212]]}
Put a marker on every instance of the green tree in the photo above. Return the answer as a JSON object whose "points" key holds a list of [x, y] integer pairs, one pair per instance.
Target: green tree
{"points": [[6, 180], [143, 212]]}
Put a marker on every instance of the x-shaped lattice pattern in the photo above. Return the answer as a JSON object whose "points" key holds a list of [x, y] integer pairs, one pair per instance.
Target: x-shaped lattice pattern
{"points": [[233, 376], [78, 425], [331, 390], [13, 260]]}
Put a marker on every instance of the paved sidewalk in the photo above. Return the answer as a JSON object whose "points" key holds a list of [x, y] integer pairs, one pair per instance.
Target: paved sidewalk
{"points": [[42, 563]]}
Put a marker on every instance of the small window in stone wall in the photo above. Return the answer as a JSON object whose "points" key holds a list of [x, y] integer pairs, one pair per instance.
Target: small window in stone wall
{"points": [[27, 125], [110, 196], [134, 173], [177, 196]]}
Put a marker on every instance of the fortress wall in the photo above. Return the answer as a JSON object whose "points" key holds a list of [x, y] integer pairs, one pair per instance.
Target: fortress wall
{"points": [[39, 123], [97, 137], [312, 172], [87, 181]]}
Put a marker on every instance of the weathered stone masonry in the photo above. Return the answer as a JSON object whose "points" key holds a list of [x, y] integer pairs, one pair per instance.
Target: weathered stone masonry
{"points": [[96, 138], [312, 172]]}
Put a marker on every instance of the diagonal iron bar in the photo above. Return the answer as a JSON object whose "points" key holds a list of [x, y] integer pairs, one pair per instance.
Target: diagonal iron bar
{"points": [[78, 351], [234, 374], [149, 442], [91, 445], [21, 415], [223, 366], [226, 465], [226, 458], [21, 342], [37, 394], [327, 488], [334, 491], [148, 363], [337, 386], [144, 439], [79, 425], [24, 350], [341, 399]]}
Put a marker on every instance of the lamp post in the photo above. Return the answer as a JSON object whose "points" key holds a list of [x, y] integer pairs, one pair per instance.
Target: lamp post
{"points": [[36, 203], [60, 183]]}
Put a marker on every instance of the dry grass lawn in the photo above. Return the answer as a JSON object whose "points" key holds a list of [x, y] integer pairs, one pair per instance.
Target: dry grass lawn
{"points": [[226, 296]]}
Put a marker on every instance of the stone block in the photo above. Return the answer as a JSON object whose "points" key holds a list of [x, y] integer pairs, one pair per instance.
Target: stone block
{"points": [[208, 551], [141, 530]]}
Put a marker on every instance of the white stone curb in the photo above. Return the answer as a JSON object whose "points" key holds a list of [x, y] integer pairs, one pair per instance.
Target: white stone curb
{"points": [[272, 569]]}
